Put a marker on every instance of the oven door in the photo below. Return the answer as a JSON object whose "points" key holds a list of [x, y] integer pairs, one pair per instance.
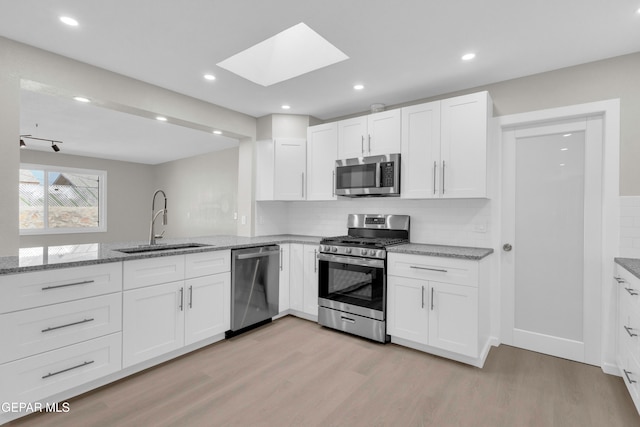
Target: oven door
{"points": [[353, 285]]}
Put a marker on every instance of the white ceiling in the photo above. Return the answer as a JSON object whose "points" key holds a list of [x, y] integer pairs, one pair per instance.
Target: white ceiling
{"points": [[400, 51]]}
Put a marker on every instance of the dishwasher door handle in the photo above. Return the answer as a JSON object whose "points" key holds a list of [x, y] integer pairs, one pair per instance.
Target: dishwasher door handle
{"points": [[258, 254]]}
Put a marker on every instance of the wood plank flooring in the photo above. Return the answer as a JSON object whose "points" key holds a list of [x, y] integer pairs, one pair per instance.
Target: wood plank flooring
{"points": [[296, 373]]}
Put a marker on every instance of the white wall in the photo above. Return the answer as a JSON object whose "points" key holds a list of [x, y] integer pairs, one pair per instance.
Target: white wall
{"points": [[630, 227]]}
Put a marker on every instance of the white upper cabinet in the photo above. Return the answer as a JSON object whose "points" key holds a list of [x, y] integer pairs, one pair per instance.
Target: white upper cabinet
{"points": [[370, 135], [464, 145], [383, 133], [420, 151], [444, 148], [281, 166], [351, 135], [322, 153]]}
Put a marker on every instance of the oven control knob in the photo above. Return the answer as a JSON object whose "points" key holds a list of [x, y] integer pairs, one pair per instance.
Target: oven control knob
{"points": [[364, 252], [334, 249], [347, 250]]}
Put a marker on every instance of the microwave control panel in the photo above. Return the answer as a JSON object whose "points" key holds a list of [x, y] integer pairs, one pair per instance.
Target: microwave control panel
{"points": [[386, 174]]}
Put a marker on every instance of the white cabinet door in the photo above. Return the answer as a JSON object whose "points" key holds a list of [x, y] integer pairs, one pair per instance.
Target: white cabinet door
{"points": [[283, 302], [464, 145], [407, 313], [207, 306], [153, 321], [383, 133], [421, 151], [289, 169], [311, 279], [322, 152], [453, 318], [296, 277], [351, 137]]}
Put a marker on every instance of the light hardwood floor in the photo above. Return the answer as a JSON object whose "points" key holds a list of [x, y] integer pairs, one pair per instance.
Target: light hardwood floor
{"points": [[293, 372]]}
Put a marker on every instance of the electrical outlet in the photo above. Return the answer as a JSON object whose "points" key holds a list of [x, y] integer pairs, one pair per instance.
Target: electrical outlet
{"points": [[244, 220], [480, 228], [235, 216]]}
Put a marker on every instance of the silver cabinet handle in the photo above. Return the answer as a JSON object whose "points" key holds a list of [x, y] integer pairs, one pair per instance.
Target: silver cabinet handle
{"points": [[68, 369], [430, 269], [626, 374], [303, 185], [348, 319], [435, 166], [362, 144], [443, 166], [631, 291], [84, 282], [619, 279], [181, 299], [431, 298], [423, 297], [628, 329], [369, 143], [333, 184], [53, 328], [281, 259], [190, 296], [315, 260]]}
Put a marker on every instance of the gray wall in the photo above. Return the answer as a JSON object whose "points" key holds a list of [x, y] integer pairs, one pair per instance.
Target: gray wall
{"points": [[129, 190], [201, 193]]}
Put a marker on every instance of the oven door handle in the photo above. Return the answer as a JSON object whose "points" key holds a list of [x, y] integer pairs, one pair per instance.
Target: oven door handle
{"points": [[364, 262]]}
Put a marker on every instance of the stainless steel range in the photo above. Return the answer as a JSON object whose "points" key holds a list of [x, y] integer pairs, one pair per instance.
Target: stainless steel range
{"points": [[352, 281]]}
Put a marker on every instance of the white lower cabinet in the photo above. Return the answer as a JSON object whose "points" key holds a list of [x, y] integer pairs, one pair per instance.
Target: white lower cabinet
{"points": [[303, 279], [283, 292], [434, 303], [162, 317]]}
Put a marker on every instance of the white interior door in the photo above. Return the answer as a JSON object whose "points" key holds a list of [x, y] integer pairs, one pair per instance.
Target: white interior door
{"points": [[552, 235]]}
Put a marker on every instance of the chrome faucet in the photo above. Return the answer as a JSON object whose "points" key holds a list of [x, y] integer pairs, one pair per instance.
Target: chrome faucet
{"points": [[154, 215]]}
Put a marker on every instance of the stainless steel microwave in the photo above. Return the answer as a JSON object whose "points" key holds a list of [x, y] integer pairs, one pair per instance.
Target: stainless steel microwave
{"points": [[368, 176]]}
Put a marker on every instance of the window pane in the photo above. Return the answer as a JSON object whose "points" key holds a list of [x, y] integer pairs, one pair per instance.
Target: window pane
{"points": [[31, 193], [73, 200]]}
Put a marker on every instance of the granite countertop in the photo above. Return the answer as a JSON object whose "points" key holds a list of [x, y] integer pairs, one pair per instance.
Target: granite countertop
{"points": [[442, 251], [45, 258], [630, 264]]}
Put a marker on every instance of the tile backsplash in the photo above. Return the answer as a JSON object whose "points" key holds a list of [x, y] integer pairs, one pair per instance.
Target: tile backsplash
{"points": [[630, 226], [451, 222]]}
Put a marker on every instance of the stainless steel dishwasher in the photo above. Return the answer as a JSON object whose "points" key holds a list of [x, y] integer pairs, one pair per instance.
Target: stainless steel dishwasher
{"points": [[255, 277]]}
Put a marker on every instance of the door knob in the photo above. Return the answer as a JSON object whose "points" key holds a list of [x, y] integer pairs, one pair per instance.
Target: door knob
{"points": [[507, 247]]}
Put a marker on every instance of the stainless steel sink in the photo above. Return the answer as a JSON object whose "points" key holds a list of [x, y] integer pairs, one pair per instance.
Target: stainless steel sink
{"points": [[160, 247]]}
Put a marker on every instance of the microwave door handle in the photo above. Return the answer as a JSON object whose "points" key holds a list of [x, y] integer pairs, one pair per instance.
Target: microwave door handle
{"points": [[378, 183]]}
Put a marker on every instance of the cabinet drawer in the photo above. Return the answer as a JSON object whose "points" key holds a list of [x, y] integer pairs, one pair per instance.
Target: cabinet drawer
{"points": [[28, 290], [41, 376], [28, 332], [629, 287], [447, 270], [153, 271], [630, 371], [206, 263]]}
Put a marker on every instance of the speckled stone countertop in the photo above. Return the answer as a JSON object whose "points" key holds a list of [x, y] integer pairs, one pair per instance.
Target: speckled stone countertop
{"points": [[631, 264], [442, 251], [45, 258]]}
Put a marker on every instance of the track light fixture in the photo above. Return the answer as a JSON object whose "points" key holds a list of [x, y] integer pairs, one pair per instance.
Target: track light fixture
{"points": [[54, 143]]}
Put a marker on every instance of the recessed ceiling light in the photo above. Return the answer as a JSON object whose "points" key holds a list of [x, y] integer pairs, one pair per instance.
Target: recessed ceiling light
{"points": [[564, 149], [468, 56], [162, 119], [286, 107], [358, 87], [209, 77], [217, 132], [69, 21], [567, 134], [81, 99], [561, 164]]}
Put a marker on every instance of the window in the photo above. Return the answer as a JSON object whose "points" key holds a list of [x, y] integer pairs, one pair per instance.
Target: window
{"points": [[61, 200]]}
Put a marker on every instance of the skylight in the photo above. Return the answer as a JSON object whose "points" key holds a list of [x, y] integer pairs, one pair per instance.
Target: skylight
{"points": [[295, 51]]}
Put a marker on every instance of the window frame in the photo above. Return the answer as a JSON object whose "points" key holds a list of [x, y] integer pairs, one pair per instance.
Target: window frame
{"points": [[102, 200]]}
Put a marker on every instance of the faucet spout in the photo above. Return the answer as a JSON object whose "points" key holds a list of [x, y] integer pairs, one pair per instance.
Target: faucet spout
{"points": [[154, 215]]}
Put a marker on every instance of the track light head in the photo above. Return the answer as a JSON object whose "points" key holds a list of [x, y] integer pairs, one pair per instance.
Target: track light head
{"points": [[55, 147], [22, 144]]}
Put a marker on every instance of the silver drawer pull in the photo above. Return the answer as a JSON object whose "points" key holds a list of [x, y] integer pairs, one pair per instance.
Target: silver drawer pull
{"points": [[618, 279], [84, 282], [347, 319], [430, 269], [53, 328], [68, 369], [626, 374], [628, 329], [631, 291]]}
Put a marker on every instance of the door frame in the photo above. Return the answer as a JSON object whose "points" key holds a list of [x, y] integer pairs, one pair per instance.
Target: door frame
{"points": [[603, 351]]}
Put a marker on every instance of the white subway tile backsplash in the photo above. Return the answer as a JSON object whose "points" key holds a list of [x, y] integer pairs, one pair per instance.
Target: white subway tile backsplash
{"points": [[630, 226]]}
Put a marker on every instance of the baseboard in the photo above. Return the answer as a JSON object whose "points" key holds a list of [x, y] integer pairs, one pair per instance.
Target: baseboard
{"points": [[611, 369]]}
